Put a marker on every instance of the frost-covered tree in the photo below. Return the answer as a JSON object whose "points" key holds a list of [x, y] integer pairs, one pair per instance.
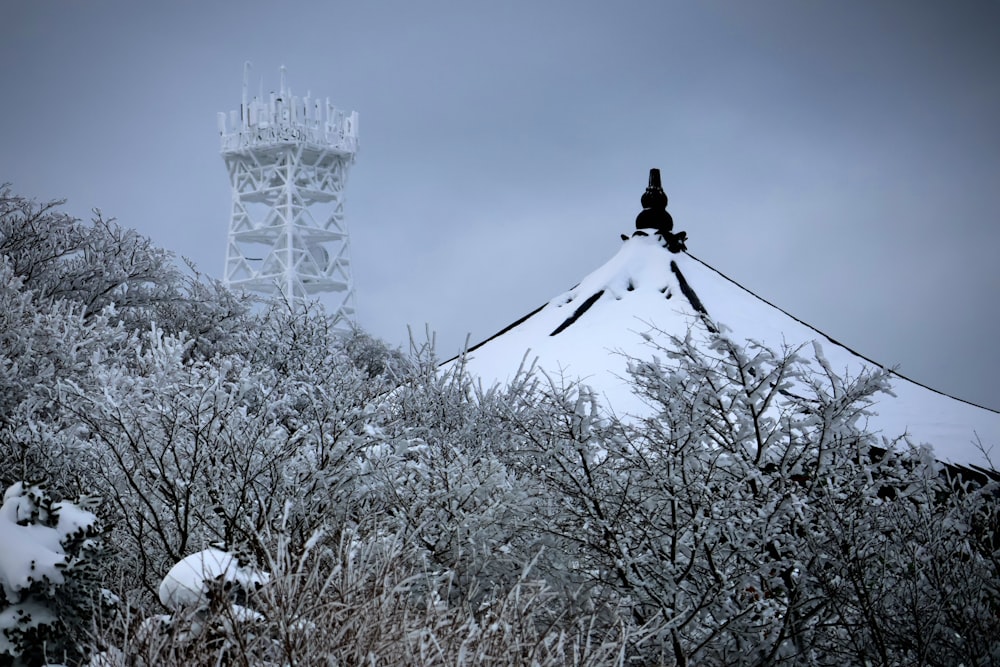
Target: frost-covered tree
{"points": [[749, 519], [450, 482], [95, 265], [49, 586], [71, 295]]}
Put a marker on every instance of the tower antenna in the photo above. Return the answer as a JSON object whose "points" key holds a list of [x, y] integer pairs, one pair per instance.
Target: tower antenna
{"points": [[244, 109]]}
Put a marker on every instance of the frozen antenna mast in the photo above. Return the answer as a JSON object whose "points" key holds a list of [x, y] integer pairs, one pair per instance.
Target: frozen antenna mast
{"points": [[287, 159]]}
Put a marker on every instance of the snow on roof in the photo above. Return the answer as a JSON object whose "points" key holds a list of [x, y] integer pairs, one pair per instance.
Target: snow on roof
{"points": [[589, 332]]}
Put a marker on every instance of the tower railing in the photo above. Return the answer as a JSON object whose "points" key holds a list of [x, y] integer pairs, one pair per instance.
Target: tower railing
{"points": [[329, 139], [285, 118]]}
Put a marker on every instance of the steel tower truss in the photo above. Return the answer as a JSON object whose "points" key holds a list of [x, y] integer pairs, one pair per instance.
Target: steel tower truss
{"points": [[288, 160]]}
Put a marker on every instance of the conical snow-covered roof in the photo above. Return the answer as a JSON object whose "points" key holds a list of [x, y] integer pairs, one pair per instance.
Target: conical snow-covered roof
{"points": [[652, 288]]}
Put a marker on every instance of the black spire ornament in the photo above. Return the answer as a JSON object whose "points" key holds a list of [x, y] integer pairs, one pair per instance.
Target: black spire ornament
{"points": [[654, 206], [654, 214]]}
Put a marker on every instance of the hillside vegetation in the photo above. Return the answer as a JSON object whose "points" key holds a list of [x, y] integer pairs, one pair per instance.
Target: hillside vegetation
{"points": [[194, 481]]}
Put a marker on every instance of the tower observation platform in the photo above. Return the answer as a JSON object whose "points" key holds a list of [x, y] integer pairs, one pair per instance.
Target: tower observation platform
{"points": [[288, 159]]}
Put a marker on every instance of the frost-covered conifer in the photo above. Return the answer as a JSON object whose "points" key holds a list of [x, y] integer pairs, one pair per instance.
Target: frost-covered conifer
{"points": [[49, 554]]}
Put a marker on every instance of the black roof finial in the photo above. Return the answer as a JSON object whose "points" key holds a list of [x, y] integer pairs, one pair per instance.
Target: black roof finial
{"points": [[654, 206], [654, 214]]}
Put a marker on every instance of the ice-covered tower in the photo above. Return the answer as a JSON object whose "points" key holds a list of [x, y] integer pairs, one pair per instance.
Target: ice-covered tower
{"points": [[288, 158]]}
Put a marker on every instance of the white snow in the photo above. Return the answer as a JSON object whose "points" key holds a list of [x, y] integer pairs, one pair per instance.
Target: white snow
{"points": [[30, 553], [72, 518], [186, 582], [28, 614], [595, 348]]}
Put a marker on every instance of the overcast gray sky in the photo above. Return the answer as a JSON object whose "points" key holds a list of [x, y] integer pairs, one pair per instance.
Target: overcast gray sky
{"points": [[840, 158]]}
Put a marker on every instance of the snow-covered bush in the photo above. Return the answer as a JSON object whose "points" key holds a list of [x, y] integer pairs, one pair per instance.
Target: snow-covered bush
{"points": [[210, 595], [72, 295], [361, 600], [48, 575], [208, 579], [41, 345], [451, 490], [94, 265], [196, 452]]}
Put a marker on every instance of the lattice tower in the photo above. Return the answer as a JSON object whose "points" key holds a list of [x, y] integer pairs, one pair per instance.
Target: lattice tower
{"points": [[288, 159]]}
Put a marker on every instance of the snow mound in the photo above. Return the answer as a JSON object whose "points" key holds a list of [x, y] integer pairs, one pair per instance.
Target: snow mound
{"points": [[187, 584]]}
